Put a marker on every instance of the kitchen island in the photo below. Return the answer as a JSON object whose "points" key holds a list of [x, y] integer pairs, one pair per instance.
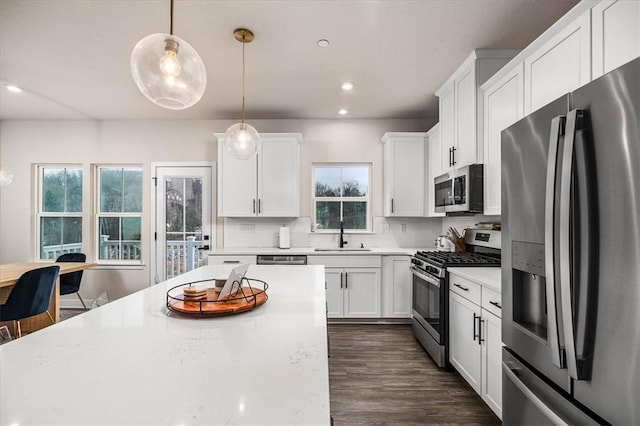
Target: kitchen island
{"points": [[134, 362]]}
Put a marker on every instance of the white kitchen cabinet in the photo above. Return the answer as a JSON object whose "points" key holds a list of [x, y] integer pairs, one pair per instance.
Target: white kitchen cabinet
{"points": [[491, 391], [404, 171], [396, 287], [461, 107], [266, 185], [464, 350], [504, 105], [615, 34], [435, 162], [475, 338], [560, 65], [353, 285]]}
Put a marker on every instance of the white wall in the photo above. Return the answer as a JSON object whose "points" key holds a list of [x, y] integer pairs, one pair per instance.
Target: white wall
{"points": [[24, 143]]}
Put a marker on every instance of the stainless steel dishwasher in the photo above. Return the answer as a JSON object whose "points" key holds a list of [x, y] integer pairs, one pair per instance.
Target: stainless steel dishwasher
{"points": [[279, 259]]}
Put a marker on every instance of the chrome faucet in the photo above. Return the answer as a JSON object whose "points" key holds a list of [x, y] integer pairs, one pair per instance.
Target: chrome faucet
{"points": [[342, 241]]}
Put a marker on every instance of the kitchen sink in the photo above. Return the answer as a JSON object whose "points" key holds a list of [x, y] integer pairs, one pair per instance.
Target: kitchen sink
{"points": [[342, 249]]}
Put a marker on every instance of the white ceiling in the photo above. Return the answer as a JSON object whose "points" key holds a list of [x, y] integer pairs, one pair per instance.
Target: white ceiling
{"points": [[71, 57]]}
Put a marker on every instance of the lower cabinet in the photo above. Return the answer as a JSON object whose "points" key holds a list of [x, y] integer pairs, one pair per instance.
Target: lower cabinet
{"points": [[475, 338], [396, 287], [353, 285]]}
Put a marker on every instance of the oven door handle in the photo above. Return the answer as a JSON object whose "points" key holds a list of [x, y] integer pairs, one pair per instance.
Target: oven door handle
{"points": [[427, 278]]}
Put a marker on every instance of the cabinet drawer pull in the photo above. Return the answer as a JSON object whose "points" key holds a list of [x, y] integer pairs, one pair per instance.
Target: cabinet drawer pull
{"points": [[254, 205], [341, 281], [231, 261], [462, 287], [480, 339], [475, 332], [346, 280], [496, 304]]}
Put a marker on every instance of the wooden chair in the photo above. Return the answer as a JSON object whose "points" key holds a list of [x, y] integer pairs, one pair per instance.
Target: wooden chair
{"points": [[30, 296]]}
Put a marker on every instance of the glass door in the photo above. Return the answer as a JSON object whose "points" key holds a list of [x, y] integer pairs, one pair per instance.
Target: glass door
{"points": [[184, 224]]}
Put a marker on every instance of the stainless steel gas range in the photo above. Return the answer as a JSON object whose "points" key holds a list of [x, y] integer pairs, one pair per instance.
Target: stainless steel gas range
{"points": [[430, 287]]}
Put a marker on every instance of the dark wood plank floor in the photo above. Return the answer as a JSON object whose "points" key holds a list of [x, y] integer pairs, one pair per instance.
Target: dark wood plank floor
{"points": [[380, 375]]}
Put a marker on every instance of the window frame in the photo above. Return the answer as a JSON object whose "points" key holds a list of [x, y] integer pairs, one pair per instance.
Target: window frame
{"points": [[38, 173], [98, 214], [341, 199]]}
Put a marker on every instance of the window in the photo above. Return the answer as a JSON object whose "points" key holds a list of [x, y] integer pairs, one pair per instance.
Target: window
{"points": [[119, 215], [341, 193], [59, 216]]}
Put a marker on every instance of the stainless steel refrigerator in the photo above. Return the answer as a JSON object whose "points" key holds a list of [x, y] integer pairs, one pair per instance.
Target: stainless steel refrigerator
{"points": [[571, 257]]}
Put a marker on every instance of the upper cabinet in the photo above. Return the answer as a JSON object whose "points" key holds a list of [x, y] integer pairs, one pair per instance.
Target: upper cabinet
{"points": [[404, 174], [615, 34], [504, 105], [461, 108], [436, 168], [560, 65], [592, 39], [266, 185]]}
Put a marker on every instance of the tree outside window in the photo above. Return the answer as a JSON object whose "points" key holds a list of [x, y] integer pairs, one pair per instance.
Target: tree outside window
{"points": [[59, 211], [341, 194]]}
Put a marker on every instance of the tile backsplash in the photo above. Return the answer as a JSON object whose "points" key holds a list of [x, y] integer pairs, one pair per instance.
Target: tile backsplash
{"points": [[387, 233]]}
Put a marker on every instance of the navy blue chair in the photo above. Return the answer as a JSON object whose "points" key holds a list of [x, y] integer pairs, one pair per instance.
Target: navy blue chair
{"points": [[30, 296], [70, 283]]}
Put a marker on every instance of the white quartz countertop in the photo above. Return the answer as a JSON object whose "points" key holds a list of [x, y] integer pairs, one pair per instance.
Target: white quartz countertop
{"points": [[132, 362], [490, 277], [311, 251]]}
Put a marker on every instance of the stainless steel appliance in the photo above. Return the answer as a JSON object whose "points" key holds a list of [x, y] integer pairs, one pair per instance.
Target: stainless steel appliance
{"points": [[571, 257], [430, 288], [460, 191], [279, 259]]}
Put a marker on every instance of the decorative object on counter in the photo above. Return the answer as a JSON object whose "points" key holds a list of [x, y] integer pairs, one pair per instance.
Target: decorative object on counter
{"points": [[167, 70], [245, 299], [456, 239], [231, 298], [242, 139]]}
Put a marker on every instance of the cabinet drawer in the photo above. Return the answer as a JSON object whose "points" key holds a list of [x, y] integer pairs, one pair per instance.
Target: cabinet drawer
{"points": [[346, 261], [492, 301], [225, 260], [465, 288]]}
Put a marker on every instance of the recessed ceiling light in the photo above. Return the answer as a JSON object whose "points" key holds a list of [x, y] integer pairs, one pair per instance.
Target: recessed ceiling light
{"points": [[346, 86], [323, 42], [12, 88], [343, 111]]}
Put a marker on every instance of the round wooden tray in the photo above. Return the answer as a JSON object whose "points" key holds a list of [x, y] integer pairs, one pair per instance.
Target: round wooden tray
{"points": [[246, 299]]}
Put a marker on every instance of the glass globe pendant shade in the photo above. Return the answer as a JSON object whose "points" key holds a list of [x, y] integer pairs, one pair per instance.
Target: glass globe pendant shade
{"points": [[241, 140], [6, 177], [168, 71]]}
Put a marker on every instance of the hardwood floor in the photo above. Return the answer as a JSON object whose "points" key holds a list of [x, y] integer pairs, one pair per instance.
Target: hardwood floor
{"points": [[380, 375]]}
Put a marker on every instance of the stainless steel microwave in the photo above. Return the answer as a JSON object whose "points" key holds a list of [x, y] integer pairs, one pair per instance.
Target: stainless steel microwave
{"points": [[460, 191]]}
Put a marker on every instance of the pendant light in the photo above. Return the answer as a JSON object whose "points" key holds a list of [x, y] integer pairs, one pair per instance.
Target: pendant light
{"points": [[242, 139], [167, 70]]}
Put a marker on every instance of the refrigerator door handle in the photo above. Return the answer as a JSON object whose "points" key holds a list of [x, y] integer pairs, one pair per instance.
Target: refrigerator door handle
{"points": [[528, 393], [557, 130], [564, 233], [577, 284]]}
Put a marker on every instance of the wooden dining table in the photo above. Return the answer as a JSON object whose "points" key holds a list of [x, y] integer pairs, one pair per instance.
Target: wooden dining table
{"points": [[9, 274]]}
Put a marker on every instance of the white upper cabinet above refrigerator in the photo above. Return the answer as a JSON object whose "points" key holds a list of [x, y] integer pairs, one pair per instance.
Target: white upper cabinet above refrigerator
{"points": [[615, 34], [560, 65], [404, 171], [266, 185]]}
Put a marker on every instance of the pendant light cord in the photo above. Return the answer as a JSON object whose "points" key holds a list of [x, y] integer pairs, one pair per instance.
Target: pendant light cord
{"points": [[243, 43], [171, 18]]}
